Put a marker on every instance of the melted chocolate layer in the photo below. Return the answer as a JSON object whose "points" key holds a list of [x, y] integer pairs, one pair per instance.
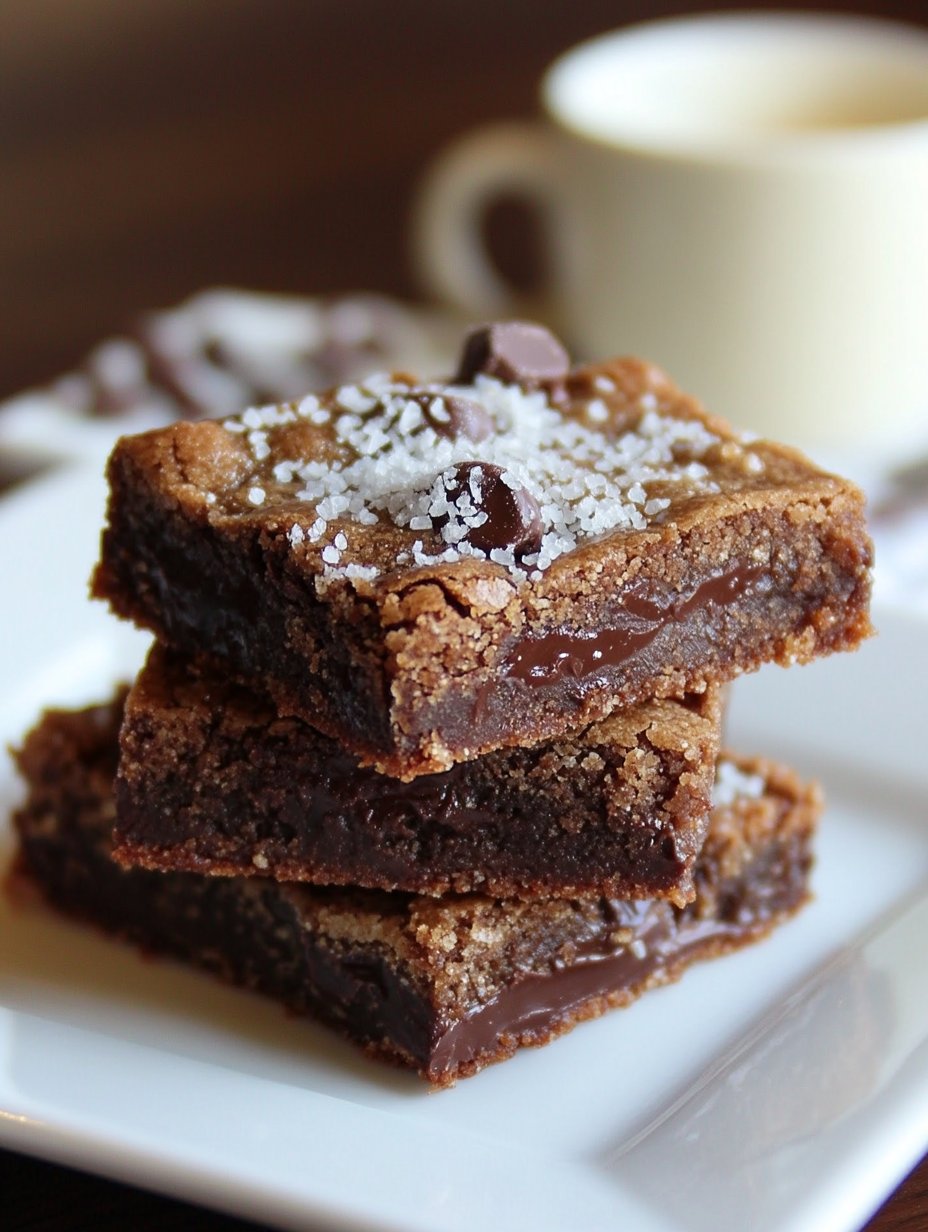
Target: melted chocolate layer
{"points": [[666, 939], [534, 1005], [544, 658], [375, 1001], [707, 631]]}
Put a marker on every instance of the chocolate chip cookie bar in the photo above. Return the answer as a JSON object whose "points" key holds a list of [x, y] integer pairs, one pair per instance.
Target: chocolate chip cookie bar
{"points": [[444, 986], [427, 572], [212, 780]]}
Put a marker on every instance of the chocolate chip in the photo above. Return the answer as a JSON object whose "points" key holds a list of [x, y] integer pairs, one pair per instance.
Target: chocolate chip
{"points": [[518, 352], [452, 416], [513, 519]]}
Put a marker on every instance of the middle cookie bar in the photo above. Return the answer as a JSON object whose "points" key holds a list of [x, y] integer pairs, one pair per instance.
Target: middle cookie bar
{"points": [[212, 780]]}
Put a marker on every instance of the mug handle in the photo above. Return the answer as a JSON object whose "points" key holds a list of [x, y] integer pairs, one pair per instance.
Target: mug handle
{"points": [[510, 158]]}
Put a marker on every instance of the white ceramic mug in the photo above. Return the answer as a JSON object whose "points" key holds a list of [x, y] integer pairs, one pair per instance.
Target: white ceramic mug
{"points": [[742, 199]]}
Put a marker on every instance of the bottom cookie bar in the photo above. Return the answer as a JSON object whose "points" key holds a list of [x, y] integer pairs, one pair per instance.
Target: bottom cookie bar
{"points": [[447, 985]]}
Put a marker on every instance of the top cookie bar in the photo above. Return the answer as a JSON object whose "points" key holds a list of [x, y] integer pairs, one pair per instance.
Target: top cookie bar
{"points": [[429, 571]]}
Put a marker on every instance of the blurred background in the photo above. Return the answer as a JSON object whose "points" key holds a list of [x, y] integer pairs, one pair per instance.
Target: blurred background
{"points": [[149, 149]]}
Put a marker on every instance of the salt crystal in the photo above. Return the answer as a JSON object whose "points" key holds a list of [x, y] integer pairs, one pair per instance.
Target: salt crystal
{"points": [[393, 466], [361, 573], [658, 505], [353, 398], [732, 783], [308, 406]]}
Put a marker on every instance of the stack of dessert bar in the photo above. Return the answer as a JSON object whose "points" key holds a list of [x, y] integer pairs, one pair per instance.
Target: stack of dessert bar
{"points": [[429, 742]]}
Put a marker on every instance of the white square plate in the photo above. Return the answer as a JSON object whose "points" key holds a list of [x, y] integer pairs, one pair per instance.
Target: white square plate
{"points": [[780, 1089]]}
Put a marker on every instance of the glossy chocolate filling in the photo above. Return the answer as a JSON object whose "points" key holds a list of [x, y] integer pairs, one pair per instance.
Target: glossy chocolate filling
{"points": [[551, 678], [535, 1004], [568, 654], [375, 1001], [664, 940]]}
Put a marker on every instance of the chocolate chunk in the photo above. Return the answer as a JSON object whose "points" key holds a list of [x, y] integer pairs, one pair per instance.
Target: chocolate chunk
{"points": [[513, 519], [451, 415], [518, 352]]}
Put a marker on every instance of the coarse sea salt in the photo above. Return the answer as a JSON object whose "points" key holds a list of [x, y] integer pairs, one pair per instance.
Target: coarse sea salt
{"points": [[391, 465], [732, 783]]}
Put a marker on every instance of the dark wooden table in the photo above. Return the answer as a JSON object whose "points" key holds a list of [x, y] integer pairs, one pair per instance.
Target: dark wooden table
{"points": [[151, 149]]}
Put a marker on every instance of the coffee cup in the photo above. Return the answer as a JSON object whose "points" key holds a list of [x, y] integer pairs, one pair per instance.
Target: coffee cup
{"points": [[741, 198]]}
